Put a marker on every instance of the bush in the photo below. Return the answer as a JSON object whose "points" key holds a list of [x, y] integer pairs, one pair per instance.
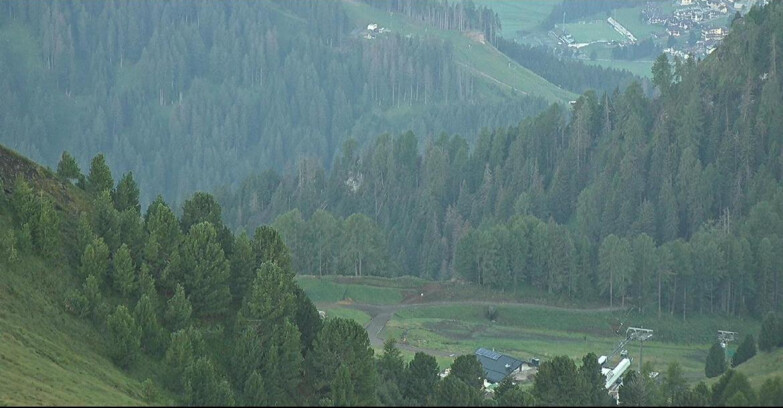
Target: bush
{"points": [[125, 336], [149, 390], [77, 304], [491, 313], [716, 361], [745, 351]]}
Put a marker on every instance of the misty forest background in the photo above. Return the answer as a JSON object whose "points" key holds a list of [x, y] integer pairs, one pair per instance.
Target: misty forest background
{"points": [[386, 158]]}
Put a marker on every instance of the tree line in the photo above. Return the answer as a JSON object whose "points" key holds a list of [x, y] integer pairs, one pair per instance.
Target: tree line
{"points": [[576, 76], [459, 15], [230, 326], [669, 204]]}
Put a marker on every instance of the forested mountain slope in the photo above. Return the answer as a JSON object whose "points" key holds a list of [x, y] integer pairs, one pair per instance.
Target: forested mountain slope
{"points": [[103, 305], [220, 90], [673, 205]]}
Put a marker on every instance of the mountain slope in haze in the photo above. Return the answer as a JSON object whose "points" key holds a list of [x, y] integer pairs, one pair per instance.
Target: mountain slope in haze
{"points": [[670, 205], [219, 91]]}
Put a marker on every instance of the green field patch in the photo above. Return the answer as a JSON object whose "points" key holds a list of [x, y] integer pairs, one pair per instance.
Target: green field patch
{"points": [[631, 19], [517, 16], [402, 282], [329, 291], [591, 31]]}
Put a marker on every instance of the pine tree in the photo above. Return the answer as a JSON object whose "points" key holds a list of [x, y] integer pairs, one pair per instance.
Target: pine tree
{"points": [[99, 179], [270, 301], [593, 381], [342, 393], [106, 220], [716, 361], [84, 236], [199, 208], [343, 342], [23, 201], [421, 376], [733, 389], [92, 293], [391, 365], [123, 272], [770, 334], [468, 369], [179, 355], [745, 351], [254, 392], [95, 261], [46, 227], [152, 340], [557, 382], [125, 336], [674, 384], [307, 319], [243, 267], [126, 195], [67, 168], [452, 391], [269, 246], [204, 270], [204, 386], [178, 310], [146, 284]]}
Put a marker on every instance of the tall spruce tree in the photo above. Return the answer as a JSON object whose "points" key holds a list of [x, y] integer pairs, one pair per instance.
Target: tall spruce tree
{"points": [[99, 178], [123, 272], [716, 361], [745, 351], [125, 336]]}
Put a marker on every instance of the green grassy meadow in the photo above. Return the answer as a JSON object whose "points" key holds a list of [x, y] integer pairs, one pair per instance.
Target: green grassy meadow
{"points": [[763, 366], [529, 330], [631, 19], [519, 15], [50, 357], [590, 31], [332, 290], [534, 331]]}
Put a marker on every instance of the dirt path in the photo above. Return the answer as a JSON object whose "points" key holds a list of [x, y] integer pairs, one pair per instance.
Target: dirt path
{"points": [[381, 314]]}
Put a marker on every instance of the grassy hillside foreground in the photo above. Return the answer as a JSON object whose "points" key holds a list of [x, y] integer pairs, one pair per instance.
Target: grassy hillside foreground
{"points": [[48, 356]]}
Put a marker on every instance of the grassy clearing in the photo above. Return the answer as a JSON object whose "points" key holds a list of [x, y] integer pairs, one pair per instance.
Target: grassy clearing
{"points": [[631, 18], [49, 357], [517, 16], [590, 31], [328, 290], [763, 366], [486, 62], [534, 331]]}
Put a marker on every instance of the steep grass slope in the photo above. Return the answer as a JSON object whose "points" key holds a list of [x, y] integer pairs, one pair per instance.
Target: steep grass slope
{"points": [[48, 356]]}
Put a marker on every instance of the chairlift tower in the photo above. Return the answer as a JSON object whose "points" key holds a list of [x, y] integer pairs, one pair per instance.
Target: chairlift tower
{"points": [[726, 337], [636, 333]]}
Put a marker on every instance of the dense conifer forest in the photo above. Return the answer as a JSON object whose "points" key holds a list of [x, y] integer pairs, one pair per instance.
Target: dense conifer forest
{"points": [[171, 88], [670, 204]]}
